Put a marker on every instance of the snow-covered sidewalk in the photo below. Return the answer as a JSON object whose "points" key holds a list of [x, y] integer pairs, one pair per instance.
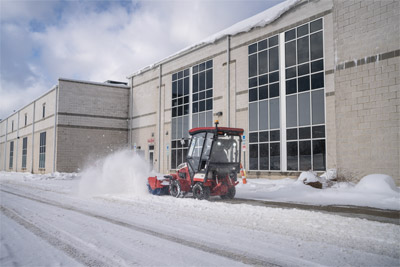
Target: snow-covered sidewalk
{"points": [[369, 193]]}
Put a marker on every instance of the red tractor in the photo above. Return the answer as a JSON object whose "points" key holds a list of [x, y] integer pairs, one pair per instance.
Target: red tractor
{"points": [[213, 162]]}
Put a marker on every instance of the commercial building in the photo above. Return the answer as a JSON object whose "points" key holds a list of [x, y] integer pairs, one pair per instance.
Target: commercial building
{"points": [[315, 85], [73, 123]]}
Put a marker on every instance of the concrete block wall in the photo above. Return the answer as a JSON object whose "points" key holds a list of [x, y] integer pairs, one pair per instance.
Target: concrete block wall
{"points": [[366, 28], [79, 147], [367, 81], [92, 122]]}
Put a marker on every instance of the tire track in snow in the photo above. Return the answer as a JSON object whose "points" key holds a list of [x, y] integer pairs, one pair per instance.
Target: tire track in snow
{"points": [[54, 241], [255, 261]]}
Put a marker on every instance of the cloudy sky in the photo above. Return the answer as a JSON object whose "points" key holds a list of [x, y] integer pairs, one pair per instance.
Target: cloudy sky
{"points": [[41, 41]]}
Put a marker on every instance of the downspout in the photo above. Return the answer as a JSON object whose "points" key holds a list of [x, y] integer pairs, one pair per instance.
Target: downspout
{"points": [[228, 84], [16, 149], [33, 133], [130, 114], [5, 147], [159, 118], [55, 130]]}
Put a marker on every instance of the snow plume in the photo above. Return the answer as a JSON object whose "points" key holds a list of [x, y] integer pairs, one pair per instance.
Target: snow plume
{"points": [[122, 172]]}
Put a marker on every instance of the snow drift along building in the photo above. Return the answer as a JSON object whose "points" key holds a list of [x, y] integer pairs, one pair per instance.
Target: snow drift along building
{"points": [[315, 85]]}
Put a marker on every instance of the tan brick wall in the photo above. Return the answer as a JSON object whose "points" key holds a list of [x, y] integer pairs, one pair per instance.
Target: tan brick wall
{"points": [[78, 147], [367, 96], [366, 28], [92, 122]]}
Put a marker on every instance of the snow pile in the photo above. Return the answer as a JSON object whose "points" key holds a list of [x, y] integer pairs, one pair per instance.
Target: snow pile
{"points": [[377, 184], [122, 172], [50, 176], [377, 190], [308, 177], [329, 175]]}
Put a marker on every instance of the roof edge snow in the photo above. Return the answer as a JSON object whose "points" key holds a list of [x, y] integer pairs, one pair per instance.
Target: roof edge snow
{"points": [[257, 21]]}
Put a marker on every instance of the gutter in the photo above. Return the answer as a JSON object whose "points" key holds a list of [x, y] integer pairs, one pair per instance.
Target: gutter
{"points": [[159, 118]]}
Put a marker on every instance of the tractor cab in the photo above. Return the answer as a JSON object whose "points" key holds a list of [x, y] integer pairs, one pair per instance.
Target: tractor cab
{"points": [[214, 152]]}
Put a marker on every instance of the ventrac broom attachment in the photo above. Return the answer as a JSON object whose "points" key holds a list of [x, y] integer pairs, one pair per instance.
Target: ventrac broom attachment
{"points": [[158, 185]]}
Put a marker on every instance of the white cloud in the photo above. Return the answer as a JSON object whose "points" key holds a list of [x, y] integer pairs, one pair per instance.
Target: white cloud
{"points": [[98, 44]]}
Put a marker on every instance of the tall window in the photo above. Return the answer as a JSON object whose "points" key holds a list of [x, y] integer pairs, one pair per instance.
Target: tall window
{"points": [[195, 100], [44, 110], [305, 106], [264, 120], [180, 117], [24, 151], [12, 126], [202, 96], [42, 151], [11, 163], [26, 119]]}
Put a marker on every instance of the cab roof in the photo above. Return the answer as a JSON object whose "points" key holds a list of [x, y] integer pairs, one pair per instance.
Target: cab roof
{"points": [[221, 130]]}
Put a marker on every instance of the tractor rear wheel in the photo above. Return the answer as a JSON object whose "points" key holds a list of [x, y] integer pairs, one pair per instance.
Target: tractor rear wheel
{"points": [[175, 189], [201, 192], [231, 193]]}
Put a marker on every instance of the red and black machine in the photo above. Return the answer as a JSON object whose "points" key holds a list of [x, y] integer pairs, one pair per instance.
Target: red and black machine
{"points": [[211, 167]]}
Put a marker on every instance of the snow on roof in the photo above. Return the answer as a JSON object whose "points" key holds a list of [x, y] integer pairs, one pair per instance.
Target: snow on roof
{"points": [[94, 83], [259, 20]]}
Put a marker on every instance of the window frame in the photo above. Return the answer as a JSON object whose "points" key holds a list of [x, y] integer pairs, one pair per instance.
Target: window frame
{"points": [[42, 151], [316, 89], [24, 152], [11, 154], [255, 87], [299, 95]]}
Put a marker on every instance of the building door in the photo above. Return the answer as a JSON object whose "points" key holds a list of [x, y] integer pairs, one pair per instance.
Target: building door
{"points": [[151, 156]]}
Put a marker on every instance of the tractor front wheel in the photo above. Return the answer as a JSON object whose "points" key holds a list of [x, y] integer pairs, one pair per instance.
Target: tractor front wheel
{"points": [[231, 193], [201, 192], [175, 189]]}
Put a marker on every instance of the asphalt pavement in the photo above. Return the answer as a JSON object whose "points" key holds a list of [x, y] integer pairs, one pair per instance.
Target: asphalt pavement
{"points": [[372, 214]]}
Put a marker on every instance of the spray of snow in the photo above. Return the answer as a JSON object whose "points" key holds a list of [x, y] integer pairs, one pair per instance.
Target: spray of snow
{"points": [[122, 172]]}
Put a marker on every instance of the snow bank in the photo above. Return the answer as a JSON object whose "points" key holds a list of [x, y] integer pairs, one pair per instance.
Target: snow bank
{"points": [[378, 184], [122, 172], [376, 190], [50, 176]]}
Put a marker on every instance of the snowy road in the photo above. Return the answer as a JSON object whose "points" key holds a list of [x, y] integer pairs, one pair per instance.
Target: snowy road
{"points": [[48, 223]]}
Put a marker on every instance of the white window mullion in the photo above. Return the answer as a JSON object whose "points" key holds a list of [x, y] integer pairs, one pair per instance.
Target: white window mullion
{"points": [[282, 86], [190, 97]]}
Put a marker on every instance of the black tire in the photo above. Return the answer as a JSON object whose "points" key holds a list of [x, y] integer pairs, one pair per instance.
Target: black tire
{"points": [[175, 189], [231, 193], [201, 192]]}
